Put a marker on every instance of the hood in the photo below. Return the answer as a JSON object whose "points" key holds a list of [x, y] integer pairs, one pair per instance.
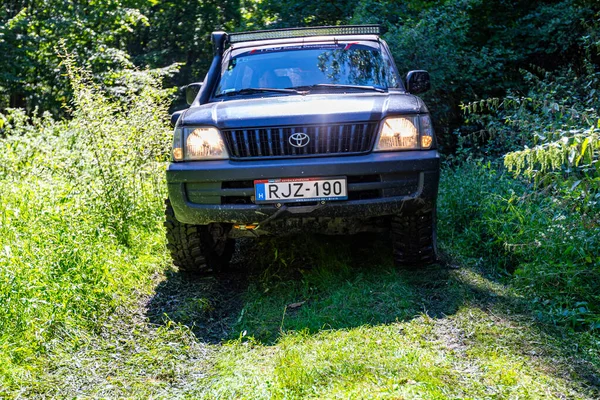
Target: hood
{"points": [[302, 110]]}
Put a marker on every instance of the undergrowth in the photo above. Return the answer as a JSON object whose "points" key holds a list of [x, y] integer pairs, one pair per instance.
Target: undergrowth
{"points": [[81, 237], [540, 243], [532, 211], [80, 224]]}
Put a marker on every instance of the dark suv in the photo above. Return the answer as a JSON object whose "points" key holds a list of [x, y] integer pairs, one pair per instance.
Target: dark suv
{"points": [[308, 129]]}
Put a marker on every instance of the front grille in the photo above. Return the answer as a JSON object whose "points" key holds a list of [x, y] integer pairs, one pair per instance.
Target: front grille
{"points": [[323, 140]]}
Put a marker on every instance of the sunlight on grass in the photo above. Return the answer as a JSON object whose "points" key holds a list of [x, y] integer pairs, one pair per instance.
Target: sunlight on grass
{"points": [[399, 360], [355, 332]]}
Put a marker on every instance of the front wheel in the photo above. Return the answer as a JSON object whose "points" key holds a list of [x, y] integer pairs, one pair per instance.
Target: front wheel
{"points": [[193, 248], [414, 238]]}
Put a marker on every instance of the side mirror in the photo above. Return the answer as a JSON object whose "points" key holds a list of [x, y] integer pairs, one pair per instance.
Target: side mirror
{"points": [[175, 116], [191, 91], [417, 82]]}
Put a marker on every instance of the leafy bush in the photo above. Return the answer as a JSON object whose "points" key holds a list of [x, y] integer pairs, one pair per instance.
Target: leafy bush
{"points": [[96, 34], [554, 128], [81, 220], [549, 248], [111, 153], [540, 226]]}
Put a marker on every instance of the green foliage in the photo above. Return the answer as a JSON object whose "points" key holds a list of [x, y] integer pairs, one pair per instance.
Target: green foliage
{"points": [[179, 32], [473, 49], [551, 134], [96, 34], [558, 118], [80, 227], [110, 153], [549, 247], [288, 14], [105, 37]]}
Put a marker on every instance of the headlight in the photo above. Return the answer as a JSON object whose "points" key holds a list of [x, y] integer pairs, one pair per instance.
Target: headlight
{"points": [[405, 133], [198, 143]]}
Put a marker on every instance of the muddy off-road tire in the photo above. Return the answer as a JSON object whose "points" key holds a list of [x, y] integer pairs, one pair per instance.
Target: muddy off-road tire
{"points": [[414, 238], [193, 248]]}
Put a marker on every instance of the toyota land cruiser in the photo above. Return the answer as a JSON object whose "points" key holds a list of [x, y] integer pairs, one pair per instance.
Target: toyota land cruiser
{"points": [[307, 129]]}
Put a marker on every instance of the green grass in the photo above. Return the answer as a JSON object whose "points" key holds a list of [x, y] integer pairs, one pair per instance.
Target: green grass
{"points": [[90, 306], [443, 334], [80, 214], [309, 317], [423, 358], [86, 315], [60, 276], [545, 243], [363, 330]]}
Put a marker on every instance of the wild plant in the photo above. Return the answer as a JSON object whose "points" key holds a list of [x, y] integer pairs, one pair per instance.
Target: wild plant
{"points": [[551, 134], [111, 152], [80, 212]]}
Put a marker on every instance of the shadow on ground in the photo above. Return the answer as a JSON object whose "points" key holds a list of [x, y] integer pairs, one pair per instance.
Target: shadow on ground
{"points": [[306, 282], [313, 283]]}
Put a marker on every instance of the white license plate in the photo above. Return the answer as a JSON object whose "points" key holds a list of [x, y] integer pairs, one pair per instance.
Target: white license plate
{"points": [[300, 189]]}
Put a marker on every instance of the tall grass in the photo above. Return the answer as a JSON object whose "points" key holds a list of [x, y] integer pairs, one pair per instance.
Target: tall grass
{"points": [[543, 226], [547, 247], [81, 212]]}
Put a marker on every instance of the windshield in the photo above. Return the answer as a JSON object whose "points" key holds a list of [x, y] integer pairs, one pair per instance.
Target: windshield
{"points": [[307, 65]]}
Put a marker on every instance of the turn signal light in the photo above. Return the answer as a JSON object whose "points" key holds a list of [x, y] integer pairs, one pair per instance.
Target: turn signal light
{"points": [[426, 141], [178, 154]]}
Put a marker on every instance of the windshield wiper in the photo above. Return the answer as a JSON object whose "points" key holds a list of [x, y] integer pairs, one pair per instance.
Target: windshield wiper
{"points": [[336, 86], [259, 90]]}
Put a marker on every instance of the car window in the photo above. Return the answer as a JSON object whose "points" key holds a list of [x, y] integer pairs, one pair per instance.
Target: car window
{"points": [[307, 65]]}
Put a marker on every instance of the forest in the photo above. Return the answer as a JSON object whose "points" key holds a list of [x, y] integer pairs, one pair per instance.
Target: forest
{"points": [[91, 307]]}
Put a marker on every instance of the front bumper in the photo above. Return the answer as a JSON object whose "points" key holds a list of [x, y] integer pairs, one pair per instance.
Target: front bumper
{"points": [[379, 184]]}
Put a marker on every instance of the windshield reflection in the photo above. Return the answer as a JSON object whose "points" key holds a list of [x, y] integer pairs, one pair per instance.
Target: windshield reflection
{"points": [[299, 66]]}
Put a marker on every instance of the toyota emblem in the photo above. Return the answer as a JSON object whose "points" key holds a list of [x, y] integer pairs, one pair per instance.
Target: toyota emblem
{"points": [[299, 139]]}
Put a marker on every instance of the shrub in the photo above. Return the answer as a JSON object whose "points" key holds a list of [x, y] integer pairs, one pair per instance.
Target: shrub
{"points": [[552, 133], [81, 220], [549, 248], [111, 153]]}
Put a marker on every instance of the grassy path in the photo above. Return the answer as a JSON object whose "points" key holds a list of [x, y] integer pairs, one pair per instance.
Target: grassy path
{"points": [[328, 318]]}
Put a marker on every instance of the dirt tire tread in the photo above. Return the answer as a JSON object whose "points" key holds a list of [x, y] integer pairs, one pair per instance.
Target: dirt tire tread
{"points": [[191, 246], [414, 238]]}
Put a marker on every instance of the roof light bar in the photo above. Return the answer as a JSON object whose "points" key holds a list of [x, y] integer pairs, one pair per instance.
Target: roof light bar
{"points": [[304, 32]]}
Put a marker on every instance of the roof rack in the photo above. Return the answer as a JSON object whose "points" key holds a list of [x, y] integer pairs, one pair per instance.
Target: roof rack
{"points": [[305, 32]]}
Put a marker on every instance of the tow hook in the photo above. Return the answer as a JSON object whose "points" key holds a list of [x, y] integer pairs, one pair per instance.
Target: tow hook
{"points": [[281, 208]]}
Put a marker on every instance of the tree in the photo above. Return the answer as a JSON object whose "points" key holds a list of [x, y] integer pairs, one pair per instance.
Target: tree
{"points": [[94, 32]]}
